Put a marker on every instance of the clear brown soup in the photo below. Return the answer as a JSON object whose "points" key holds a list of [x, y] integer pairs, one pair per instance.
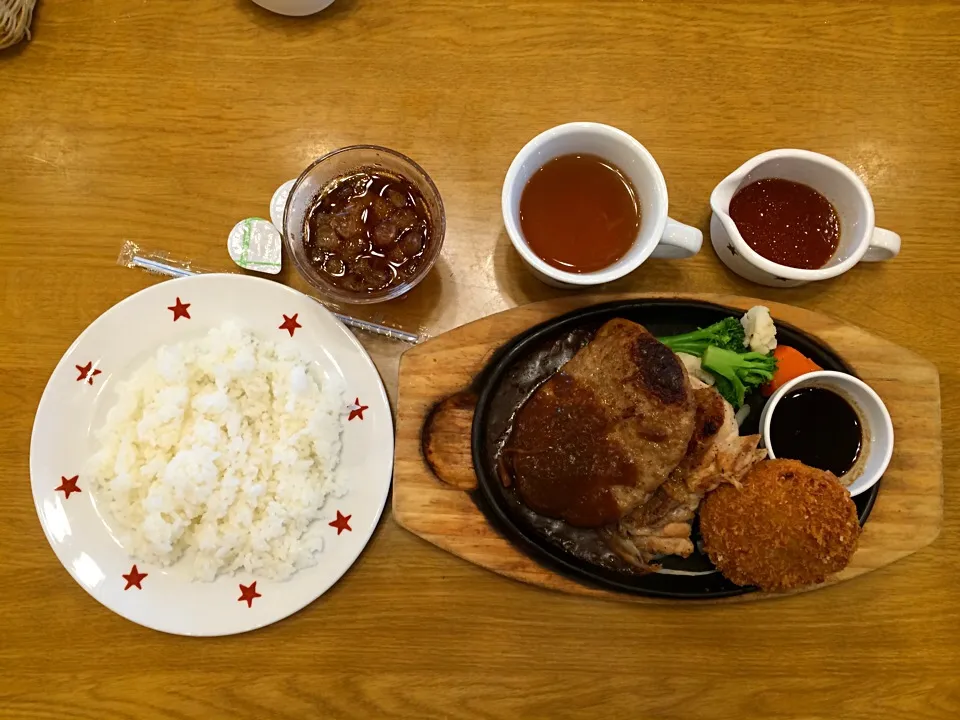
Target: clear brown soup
{"points": [[579, 213], [787, 222]]}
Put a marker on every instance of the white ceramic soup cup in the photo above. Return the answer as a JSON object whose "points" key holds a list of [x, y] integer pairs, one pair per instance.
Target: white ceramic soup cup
{"points": [[877, 445], [658, 236], [860, 239]]}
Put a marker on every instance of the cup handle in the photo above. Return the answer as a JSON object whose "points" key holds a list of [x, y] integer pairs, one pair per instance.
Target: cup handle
{"points": [[678, 241], [884, 245]]}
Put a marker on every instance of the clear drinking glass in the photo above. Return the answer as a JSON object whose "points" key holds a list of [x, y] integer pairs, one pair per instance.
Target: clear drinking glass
{"points": [[345, 161]]}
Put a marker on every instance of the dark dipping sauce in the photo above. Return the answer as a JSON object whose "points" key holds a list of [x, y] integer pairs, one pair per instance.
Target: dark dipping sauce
{"points": [[817, 427], [786, 222], [368, 232], [579, 213]]}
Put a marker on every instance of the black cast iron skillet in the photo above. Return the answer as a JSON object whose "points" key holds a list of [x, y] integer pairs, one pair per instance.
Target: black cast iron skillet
{"points": [[529, 359]]}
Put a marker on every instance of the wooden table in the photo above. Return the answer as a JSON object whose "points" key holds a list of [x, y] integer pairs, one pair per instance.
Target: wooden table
{"points": [[167, 122]]}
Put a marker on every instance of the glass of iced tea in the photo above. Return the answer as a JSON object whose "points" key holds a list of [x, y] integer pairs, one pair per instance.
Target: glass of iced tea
{"points": [[363, 224]]}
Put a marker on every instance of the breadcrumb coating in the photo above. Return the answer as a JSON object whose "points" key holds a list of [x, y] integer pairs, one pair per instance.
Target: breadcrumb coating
{"points": [[790, 525]]}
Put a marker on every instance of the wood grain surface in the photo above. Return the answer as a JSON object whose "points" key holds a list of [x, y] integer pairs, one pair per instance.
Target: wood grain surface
{"points": [[167, 122], [433, 464]]}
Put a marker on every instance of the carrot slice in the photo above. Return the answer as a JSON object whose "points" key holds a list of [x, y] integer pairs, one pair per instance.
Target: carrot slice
{"points": [[791, 363]]}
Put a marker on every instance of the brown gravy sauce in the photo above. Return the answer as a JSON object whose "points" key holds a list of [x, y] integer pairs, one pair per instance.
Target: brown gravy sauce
{"points": [[574, 483]]}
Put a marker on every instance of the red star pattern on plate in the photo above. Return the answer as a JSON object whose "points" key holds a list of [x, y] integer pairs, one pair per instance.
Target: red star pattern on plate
{"points": [[134, 578], [356, 410], [248, 593], [86, 374], [68, 485], [180, 310], [342, 523], [290, 324]]}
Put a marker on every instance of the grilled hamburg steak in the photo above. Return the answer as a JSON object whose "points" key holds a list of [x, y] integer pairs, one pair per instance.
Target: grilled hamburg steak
{"points": [[602, 434]]}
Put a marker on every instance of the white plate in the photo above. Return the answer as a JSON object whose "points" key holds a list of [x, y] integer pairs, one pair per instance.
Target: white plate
{"points": [[75, 403]]}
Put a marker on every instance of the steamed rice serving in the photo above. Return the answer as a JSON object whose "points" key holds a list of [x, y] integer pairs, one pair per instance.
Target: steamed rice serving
{"points": [[220, 453]]}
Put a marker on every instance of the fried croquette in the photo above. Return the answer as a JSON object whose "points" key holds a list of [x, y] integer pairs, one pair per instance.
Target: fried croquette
{"points": [[788, 526]]}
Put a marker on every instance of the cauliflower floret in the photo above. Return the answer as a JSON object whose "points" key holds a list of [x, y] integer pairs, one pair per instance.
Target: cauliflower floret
{"points": [[761, 333]]}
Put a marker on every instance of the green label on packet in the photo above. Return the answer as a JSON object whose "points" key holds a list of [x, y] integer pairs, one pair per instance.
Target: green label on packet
{"points": [[255, 244]]}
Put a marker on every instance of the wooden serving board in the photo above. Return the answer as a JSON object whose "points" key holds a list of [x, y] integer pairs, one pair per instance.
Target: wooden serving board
{"points": [[906, 517]]}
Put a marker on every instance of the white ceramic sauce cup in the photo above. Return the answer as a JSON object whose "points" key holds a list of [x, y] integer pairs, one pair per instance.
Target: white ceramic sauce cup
{"points": [[659, 235], [860, 239], [877, 445]]}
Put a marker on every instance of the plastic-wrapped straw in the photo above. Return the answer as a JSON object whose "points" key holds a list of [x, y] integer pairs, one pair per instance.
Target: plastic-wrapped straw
{"points": [[133, 256]]}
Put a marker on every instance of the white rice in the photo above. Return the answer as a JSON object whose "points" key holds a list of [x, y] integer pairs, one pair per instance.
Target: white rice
{"points": [[220, 454]]}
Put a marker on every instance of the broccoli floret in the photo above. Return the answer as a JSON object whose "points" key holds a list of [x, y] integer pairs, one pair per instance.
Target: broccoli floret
{"points": [[727, 334], [737, 373]]}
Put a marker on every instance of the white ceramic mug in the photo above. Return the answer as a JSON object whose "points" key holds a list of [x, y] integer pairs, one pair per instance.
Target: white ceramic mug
{"points": [[659, 235], [860, 239], [294, 7]]}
